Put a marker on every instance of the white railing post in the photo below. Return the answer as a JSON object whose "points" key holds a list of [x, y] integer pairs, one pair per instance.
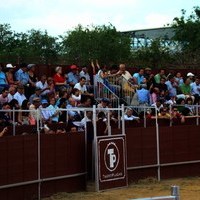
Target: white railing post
{"points": [[157, 143]]}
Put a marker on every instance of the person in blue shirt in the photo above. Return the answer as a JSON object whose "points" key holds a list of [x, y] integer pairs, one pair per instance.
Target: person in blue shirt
{"points": [[143, 95], [138, 78], [3, 80], [21, 75], [73, 76]]}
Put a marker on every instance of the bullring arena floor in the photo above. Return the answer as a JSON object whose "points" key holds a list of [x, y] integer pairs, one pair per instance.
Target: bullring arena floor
{"points": [[189, 190]]}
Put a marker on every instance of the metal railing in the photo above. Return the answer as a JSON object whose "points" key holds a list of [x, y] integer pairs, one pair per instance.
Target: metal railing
{"points": [[174, 195], [106, 90]]}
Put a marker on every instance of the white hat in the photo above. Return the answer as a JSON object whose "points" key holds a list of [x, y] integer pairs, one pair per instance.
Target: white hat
{"points": [[10, 66], [190, 74]]}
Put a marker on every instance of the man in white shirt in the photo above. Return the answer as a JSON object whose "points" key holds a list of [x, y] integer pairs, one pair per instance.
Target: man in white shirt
{"points": [[19, 95], [82, 87], [12, 91], [42, 84]]}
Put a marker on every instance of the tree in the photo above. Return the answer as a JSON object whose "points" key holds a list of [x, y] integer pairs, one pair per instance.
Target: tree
{"points": [[187, 34], [104, 43]]}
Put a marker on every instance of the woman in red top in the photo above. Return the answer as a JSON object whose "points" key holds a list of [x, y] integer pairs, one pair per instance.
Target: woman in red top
{"points": [[59, 79]]}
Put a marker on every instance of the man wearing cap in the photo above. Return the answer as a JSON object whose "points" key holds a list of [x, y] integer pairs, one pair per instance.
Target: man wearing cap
{"points": [[9, 75], [195, 90], [21, 75], [19, 95], [36, 94], [73, 76], [44, 110], [3, 80], [34, 115], [190, 75]]}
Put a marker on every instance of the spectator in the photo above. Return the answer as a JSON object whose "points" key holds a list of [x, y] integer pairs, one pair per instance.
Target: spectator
{"points": [[19, 95], [10, 75], [4, 131], [73, 114], [63, 114], [179, 79], [147, 73], [158, 76], [128, 116], [42, 84], [195, 90], [12, 91], [5, 119], [164, 114], [34, 114], [84, 73], [3, 80], [4, 97], [32, 79], [76, 95], [186, 89], [143, 95], [53, 109], [171, 86], [25, 115], [36, 94], [73, 76], [59, 79], [45, 112], [138, 78], [14, 104], [22, 76], [81, 86], [154, 95], [190, 75]]}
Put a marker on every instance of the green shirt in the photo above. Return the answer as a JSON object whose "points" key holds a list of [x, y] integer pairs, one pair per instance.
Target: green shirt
{"points": [[185, 89]]}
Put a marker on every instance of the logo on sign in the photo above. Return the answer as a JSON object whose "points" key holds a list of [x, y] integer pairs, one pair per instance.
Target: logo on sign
{"points": [[111, 156]]}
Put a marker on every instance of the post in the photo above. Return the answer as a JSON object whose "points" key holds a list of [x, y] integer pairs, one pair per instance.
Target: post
{"points": [[39, 168], [157, 143], [175, 192], [123, 122]]}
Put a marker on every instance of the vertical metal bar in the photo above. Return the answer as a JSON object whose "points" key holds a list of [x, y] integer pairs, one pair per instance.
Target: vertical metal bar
{"points": [[86, 144], [123, 121], [94, 152], [39, 153], [157, 143], [14, 123], [119, 118], [109, 127], [197, 115], [170, 112], [145, 120], [175, 192]]}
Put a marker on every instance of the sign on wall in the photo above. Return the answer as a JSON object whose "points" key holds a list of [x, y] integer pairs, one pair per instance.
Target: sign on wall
{"points": [[111, 167]]}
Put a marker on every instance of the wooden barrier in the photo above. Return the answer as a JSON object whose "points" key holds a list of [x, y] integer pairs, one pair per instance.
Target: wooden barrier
{"points": [[61, 165]]}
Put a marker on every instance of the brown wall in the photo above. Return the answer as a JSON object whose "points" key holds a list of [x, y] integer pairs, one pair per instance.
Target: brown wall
{"points": [[60, 155], [177, 144]]}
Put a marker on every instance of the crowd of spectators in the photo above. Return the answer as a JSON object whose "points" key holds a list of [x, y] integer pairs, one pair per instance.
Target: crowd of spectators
{"points": [[171, 94]]}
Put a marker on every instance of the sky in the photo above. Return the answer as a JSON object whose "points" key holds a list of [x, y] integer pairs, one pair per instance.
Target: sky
{"points": [[60, 16]]}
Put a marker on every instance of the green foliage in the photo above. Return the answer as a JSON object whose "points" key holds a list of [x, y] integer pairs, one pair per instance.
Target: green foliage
{"points": [[97, 42], [187, 33]]}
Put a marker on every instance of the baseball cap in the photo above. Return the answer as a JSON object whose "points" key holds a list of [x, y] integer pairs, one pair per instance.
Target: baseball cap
{"points": [[190, 74], [44, 101], [73, 67], [29, 66], [10, 66]]}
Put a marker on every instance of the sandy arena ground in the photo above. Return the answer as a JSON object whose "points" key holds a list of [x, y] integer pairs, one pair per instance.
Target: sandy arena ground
{"points": [[189, 190]]}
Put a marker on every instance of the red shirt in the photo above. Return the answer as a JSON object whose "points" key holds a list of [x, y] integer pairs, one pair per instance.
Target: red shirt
{"points": [[58, 78]]}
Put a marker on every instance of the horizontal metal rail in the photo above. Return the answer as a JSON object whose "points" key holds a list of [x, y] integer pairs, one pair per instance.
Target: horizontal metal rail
{"points": [[164, 165], [41, 180]]}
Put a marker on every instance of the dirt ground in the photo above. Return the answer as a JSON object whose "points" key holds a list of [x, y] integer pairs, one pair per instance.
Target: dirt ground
{"points": [[189, 190]]}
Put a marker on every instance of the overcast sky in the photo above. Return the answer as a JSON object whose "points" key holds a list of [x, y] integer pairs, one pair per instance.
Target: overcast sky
{"points": [[59, 16]]}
